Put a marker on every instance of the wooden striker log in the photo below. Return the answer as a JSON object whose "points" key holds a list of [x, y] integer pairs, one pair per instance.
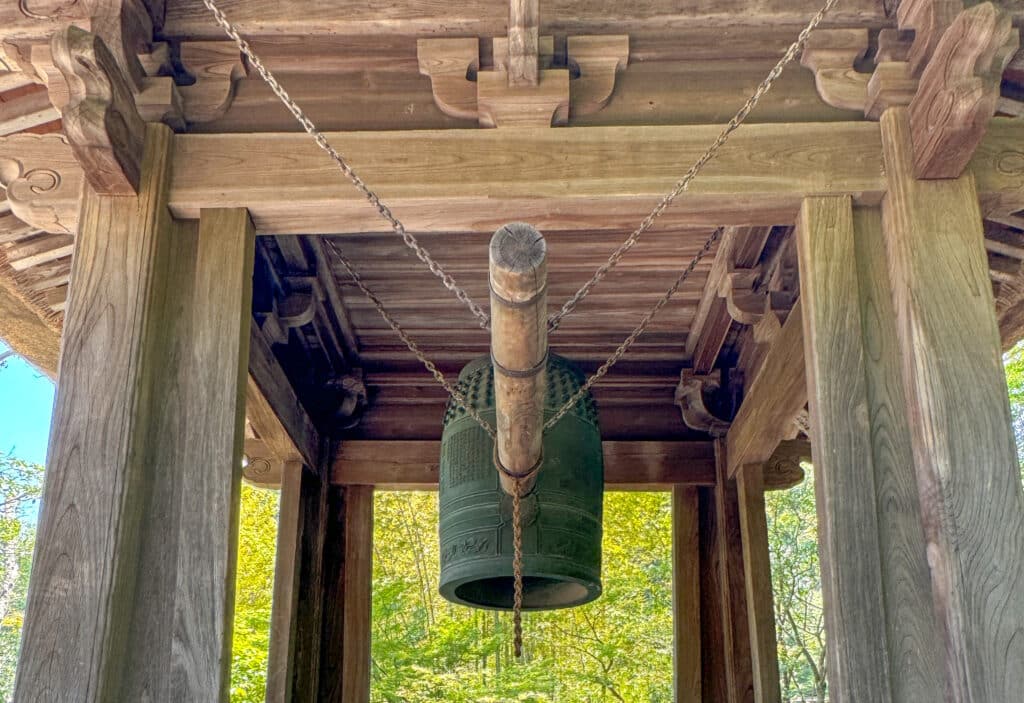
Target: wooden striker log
{"points": [[519, 346]]}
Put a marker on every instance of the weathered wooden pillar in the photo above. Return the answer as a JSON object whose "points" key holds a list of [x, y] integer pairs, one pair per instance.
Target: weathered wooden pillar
{"points": [[133, 581], [686, 622], [293, 524], [960, 429], [757, 572], [348, 581], [881, 635], [713, 688], [732, 582]]}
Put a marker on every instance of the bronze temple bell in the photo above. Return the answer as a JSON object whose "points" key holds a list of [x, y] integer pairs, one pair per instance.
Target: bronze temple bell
{"points": [[517, 390]]}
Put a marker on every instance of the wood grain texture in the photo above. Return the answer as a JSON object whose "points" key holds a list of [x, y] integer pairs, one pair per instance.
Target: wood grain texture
{"points": [[154, 356], [775, 396], [686, 623], [413, 465], [911, 630], [309, 614], [963, 445], [523, 42], [283, 635], [739, 674], [757, 572], [852, 587], [274, 409], [713, 675], [89, 528], [348, 562], [519, 348], [480, 179], [479, 18]]}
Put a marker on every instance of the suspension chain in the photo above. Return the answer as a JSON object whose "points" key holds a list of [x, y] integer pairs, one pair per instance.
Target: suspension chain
{"points": [[410, 240], [429, 365], [570, 305], [684, 183]]}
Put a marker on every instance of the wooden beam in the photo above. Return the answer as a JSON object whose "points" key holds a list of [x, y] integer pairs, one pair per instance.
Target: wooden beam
{"points": [[628, 170], [712, 637], [30, 107], [775, 396], [961, 433], [137, 537], [309, 614], [686, 623], [413, 465], [189, 19], [739, 248], [757, 572], [274, 409]]}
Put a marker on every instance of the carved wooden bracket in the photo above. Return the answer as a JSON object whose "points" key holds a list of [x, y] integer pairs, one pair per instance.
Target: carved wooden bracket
{"points": [[43, 181], [959, 90], [928, 19], [451, 65], [745, 306], [690, 399], [831, 55], [783, 469], [101, 121]]}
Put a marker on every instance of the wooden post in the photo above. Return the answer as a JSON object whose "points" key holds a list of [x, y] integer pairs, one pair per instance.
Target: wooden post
{"points": [[739, 675], [757, 570], [523, 42], [281, 659], [963, 444], [686, 623], [348, 580], [519, 346], [713, 672], [133, 580], [881, 635]]}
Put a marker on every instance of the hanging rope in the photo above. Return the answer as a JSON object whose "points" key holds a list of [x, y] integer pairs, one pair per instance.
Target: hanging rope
{"points": [[570, 305]]}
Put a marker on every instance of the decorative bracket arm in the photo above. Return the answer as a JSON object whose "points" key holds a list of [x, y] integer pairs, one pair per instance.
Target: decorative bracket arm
{"points": [[101, 121], [690, 399]]}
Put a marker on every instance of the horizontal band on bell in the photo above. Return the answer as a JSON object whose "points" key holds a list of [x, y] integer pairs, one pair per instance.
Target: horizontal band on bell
{"points": [[505, 302], [524, 373], [518, 476]]}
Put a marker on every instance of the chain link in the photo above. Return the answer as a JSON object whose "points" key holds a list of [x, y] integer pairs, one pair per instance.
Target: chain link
{"points": [[429, 365], [684, 183], [410, 240], [570, 305]]}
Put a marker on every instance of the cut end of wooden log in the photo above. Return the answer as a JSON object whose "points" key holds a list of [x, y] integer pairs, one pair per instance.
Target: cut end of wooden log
{"points": [[518, 256]]}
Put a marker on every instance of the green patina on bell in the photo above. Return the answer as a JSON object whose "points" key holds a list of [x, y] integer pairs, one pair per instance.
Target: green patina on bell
{"points": [[561, 517]]}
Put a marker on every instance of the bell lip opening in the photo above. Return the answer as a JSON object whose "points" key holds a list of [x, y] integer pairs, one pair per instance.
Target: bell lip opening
{"points": [[450, 590]]}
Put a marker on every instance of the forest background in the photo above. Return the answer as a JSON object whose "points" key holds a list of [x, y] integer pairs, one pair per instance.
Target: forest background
{"points": [[618, 648]]}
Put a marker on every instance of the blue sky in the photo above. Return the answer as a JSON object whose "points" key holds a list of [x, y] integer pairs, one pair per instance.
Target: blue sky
{"points": [[26, 403]]}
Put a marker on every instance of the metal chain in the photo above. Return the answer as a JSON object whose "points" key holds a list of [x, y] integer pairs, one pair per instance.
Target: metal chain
{"points": [[410, 240], [517, 569], [429, 365], [635, 334], [684, 183]]}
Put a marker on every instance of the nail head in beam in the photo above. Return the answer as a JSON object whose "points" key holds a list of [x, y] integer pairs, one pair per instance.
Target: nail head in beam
{"points": [[519, 346]]}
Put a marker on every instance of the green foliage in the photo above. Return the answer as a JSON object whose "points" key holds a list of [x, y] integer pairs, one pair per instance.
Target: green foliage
{"points": [[254, 589], [20, 486], [796, 581], [618, 648]]}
